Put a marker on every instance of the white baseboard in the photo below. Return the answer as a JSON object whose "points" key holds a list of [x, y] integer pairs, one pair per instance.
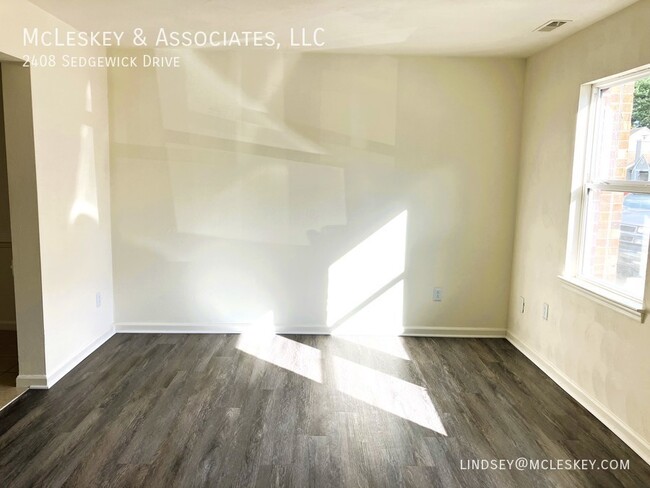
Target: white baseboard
{"points": [[33, 381], [43, 382], [469, 332], [69, 365], [597, 409], [189, 328], [177, 328]]}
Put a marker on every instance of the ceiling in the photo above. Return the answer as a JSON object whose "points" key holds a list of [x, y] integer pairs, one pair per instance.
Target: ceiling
{"points": [[444, 27]]}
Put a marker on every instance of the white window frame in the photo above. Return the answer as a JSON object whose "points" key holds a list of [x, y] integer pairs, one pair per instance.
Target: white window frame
{"points": [[582, 183]]}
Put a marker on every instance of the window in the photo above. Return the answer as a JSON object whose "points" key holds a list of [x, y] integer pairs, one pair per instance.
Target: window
{"points": [[610, 221]]}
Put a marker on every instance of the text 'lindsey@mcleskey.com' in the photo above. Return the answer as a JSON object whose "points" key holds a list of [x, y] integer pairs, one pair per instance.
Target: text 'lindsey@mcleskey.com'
{"points": [[523, 464]]}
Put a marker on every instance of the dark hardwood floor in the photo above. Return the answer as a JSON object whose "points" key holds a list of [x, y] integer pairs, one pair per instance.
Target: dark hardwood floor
{"points": [[224, 410]]}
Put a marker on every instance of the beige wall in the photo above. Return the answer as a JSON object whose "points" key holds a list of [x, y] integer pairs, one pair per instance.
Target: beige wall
{"points": [[324, 189], [7, 300], [603, 353], [70, 145], [21, 170]]}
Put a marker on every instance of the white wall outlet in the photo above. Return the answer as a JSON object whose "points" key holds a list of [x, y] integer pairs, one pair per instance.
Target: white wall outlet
{"points": [[522, 304], [437, 294], [545, 311], [98, 299]]}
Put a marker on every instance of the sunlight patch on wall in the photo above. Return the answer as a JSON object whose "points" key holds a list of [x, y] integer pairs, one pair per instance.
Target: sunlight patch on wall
{"points": [[215, 102], [393, 395], [381, 316], [85, 202], [365, 271]]}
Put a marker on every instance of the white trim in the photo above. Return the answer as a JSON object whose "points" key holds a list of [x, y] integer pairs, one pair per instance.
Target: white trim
{"points": [[196, 328], [625, 77], [597, 409], [622, 186], [468, 332], [71, 363], [582, 144], [303, 330], [43, 382], [177, 328], [626, 306], [33, 381]]}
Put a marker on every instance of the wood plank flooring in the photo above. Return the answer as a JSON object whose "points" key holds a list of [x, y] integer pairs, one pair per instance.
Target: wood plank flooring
{"points": [[258, 411]]}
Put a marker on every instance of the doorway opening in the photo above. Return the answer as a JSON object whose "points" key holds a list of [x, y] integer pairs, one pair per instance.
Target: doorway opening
{"points": [[9, 392]]}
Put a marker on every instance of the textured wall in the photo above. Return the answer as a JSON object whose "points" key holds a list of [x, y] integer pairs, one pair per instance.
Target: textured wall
{"points": [[602, 351], [321, 189]]}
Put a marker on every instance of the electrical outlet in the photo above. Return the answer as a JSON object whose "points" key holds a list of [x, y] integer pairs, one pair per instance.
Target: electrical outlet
{"points": [[522, 304], [437, 294], [545, 311], [98, 299]]}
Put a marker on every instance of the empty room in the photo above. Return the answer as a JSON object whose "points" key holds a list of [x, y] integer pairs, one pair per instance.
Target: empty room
{"points": [[325, 244]]}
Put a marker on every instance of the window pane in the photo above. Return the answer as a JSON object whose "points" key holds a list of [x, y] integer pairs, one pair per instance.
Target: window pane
{"points": [[616, 245], [623, 132]]}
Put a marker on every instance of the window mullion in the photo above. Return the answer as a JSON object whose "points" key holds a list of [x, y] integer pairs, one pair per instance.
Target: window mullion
{"points": [[620, 186]]}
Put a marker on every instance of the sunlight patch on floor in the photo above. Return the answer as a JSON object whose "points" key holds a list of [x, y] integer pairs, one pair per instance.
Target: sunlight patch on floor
{"points": [[393, 395], [260, 341], [391, 345]]}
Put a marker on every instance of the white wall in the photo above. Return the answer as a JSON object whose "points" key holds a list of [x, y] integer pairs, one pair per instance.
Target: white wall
{"points": [[21, 171], [70, 126], [240, 182], [602, 353], [7, 298]]}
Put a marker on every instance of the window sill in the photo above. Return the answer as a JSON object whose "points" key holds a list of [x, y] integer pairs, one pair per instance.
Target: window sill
{"points": [[626, 306]]}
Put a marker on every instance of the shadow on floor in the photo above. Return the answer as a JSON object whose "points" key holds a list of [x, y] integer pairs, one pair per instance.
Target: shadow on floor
{"points": [[8, 368]]}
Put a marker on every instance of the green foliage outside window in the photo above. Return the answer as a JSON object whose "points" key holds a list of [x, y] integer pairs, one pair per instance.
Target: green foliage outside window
{"points": [[641, 107]]}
